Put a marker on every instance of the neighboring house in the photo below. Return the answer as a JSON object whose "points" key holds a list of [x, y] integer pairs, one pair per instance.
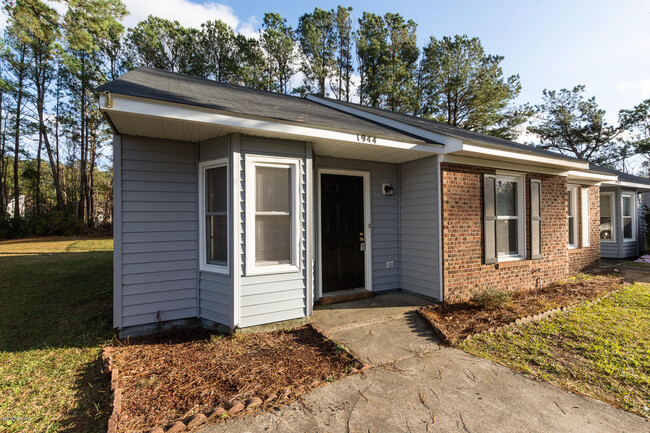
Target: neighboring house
{"points": [[242, 207], [11, 206], [622, 229]]}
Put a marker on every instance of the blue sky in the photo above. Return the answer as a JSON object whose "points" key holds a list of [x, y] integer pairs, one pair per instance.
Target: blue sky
{"points": [[550, 44]]}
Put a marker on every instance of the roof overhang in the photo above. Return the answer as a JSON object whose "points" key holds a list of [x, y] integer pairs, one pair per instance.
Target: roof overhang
{"points": [[590, 176], [460, 147], [483, 151], [623, 184], [157, 119]]}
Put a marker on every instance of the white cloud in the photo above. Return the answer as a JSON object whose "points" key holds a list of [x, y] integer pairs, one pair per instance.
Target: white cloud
{"points": [[188, 13], [639, 87]]}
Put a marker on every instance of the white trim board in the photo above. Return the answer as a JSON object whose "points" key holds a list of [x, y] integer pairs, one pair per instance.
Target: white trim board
{"points": [[204, 266], [293, 164], [491, 152], [367, 216], [451, 143], [236, 251], [167, 110], [117, 231], [503, 165]]}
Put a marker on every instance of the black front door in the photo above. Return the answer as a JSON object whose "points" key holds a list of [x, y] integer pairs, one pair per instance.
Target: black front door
{"points": [[343, 240]]}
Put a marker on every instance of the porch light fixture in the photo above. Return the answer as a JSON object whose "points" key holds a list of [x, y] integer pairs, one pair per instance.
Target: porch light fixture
{"points": [[388, 189]]}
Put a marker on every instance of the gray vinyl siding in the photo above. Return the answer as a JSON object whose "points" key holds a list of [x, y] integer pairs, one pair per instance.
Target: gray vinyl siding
{"points": [[215, 289], [274, 297], [159, 255], [384, 211], [419, 232]]}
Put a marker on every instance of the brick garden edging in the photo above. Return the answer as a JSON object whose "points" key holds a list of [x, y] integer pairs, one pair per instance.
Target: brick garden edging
{"points": [[218, 414], [523, 320]]}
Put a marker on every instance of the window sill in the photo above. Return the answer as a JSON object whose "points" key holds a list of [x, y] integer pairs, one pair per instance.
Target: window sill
{"points": [[519, 262], [510, 259], [214, 269], [270, 270]]}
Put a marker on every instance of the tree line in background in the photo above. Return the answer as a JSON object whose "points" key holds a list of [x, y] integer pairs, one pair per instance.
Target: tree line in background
{"points": [[53, 138]]}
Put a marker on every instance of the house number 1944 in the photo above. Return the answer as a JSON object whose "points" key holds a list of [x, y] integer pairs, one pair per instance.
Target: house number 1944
{"points": [[366, 138]]}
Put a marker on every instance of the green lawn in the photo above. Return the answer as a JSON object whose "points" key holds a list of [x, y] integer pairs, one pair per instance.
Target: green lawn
{"points": [[601, 350], [55, 317]]}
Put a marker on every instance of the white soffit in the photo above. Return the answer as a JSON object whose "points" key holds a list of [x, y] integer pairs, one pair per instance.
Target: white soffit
{"points": [[529, 158], [622, 184], [144, 117]]}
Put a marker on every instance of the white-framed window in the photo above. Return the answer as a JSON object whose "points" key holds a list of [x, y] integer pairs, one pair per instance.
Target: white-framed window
{"points": [[607, 217], [510, 217], [572, 212], [272, 214], [628, 217], [214, 202]]}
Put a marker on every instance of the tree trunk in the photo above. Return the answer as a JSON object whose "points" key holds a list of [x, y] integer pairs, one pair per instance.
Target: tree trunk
{"points": [[2, 158], [19, 102], [38, 173], [40, 107], [82, 145]]}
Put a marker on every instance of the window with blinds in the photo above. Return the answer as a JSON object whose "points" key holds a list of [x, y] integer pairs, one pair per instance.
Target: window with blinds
{"points": [[216, 215], [607, 233], [214, 187], [272, 215], [628, 217]]}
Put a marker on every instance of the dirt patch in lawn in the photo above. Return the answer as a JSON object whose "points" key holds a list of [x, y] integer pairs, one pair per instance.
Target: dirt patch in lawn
{"points": [[170, 377], [459, 320]]}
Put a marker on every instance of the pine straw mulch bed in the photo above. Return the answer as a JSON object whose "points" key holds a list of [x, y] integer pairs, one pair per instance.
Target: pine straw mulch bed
{"points": [[172, 376], [457, 321]]}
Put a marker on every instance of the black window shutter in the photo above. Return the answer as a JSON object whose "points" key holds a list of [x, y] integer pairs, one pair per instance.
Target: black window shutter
{"points": [[535, 219], [489, 219]]}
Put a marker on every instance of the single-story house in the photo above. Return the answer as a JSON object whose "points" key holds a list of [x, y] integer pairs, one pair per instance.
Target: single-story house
{"points": [[622, 228], [239, 207]]}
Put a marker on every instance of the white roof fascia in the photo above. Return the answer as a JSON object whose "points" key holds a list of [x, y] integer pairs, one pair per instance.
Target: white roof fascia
{"points": [[598, 177], [627, 185], [153, 108], [501, 164], [451, 143], [532, 158]]}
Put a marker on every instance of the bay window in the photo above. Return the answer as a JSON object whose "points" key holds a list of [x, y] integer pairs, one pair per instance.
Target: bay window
{"points": [[272, 214], [214, 202], [607, 225], [628, 217]]}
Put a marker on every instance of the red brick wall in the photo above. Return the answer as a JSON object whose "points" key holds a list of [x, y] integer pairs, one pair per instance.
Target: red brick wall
{"points": [[586, 258], [462, 225]]}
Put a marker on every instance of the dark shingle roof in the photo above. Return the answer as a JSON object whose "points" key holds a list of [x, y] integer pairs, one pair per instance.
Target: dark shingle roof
{"points": [[623, 177], [177, 88], [442, 128]]}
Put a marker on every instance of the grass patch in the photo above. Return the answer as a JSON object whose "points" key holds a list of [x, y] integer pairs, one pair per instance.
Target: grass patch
{"points": [[636, 265], [601, 350], [55, 317]]}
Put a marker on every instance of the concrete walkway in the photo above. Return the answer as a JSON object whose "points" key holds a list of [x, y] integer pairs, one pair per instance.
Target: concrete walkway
{"points": [[416, 385]]}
